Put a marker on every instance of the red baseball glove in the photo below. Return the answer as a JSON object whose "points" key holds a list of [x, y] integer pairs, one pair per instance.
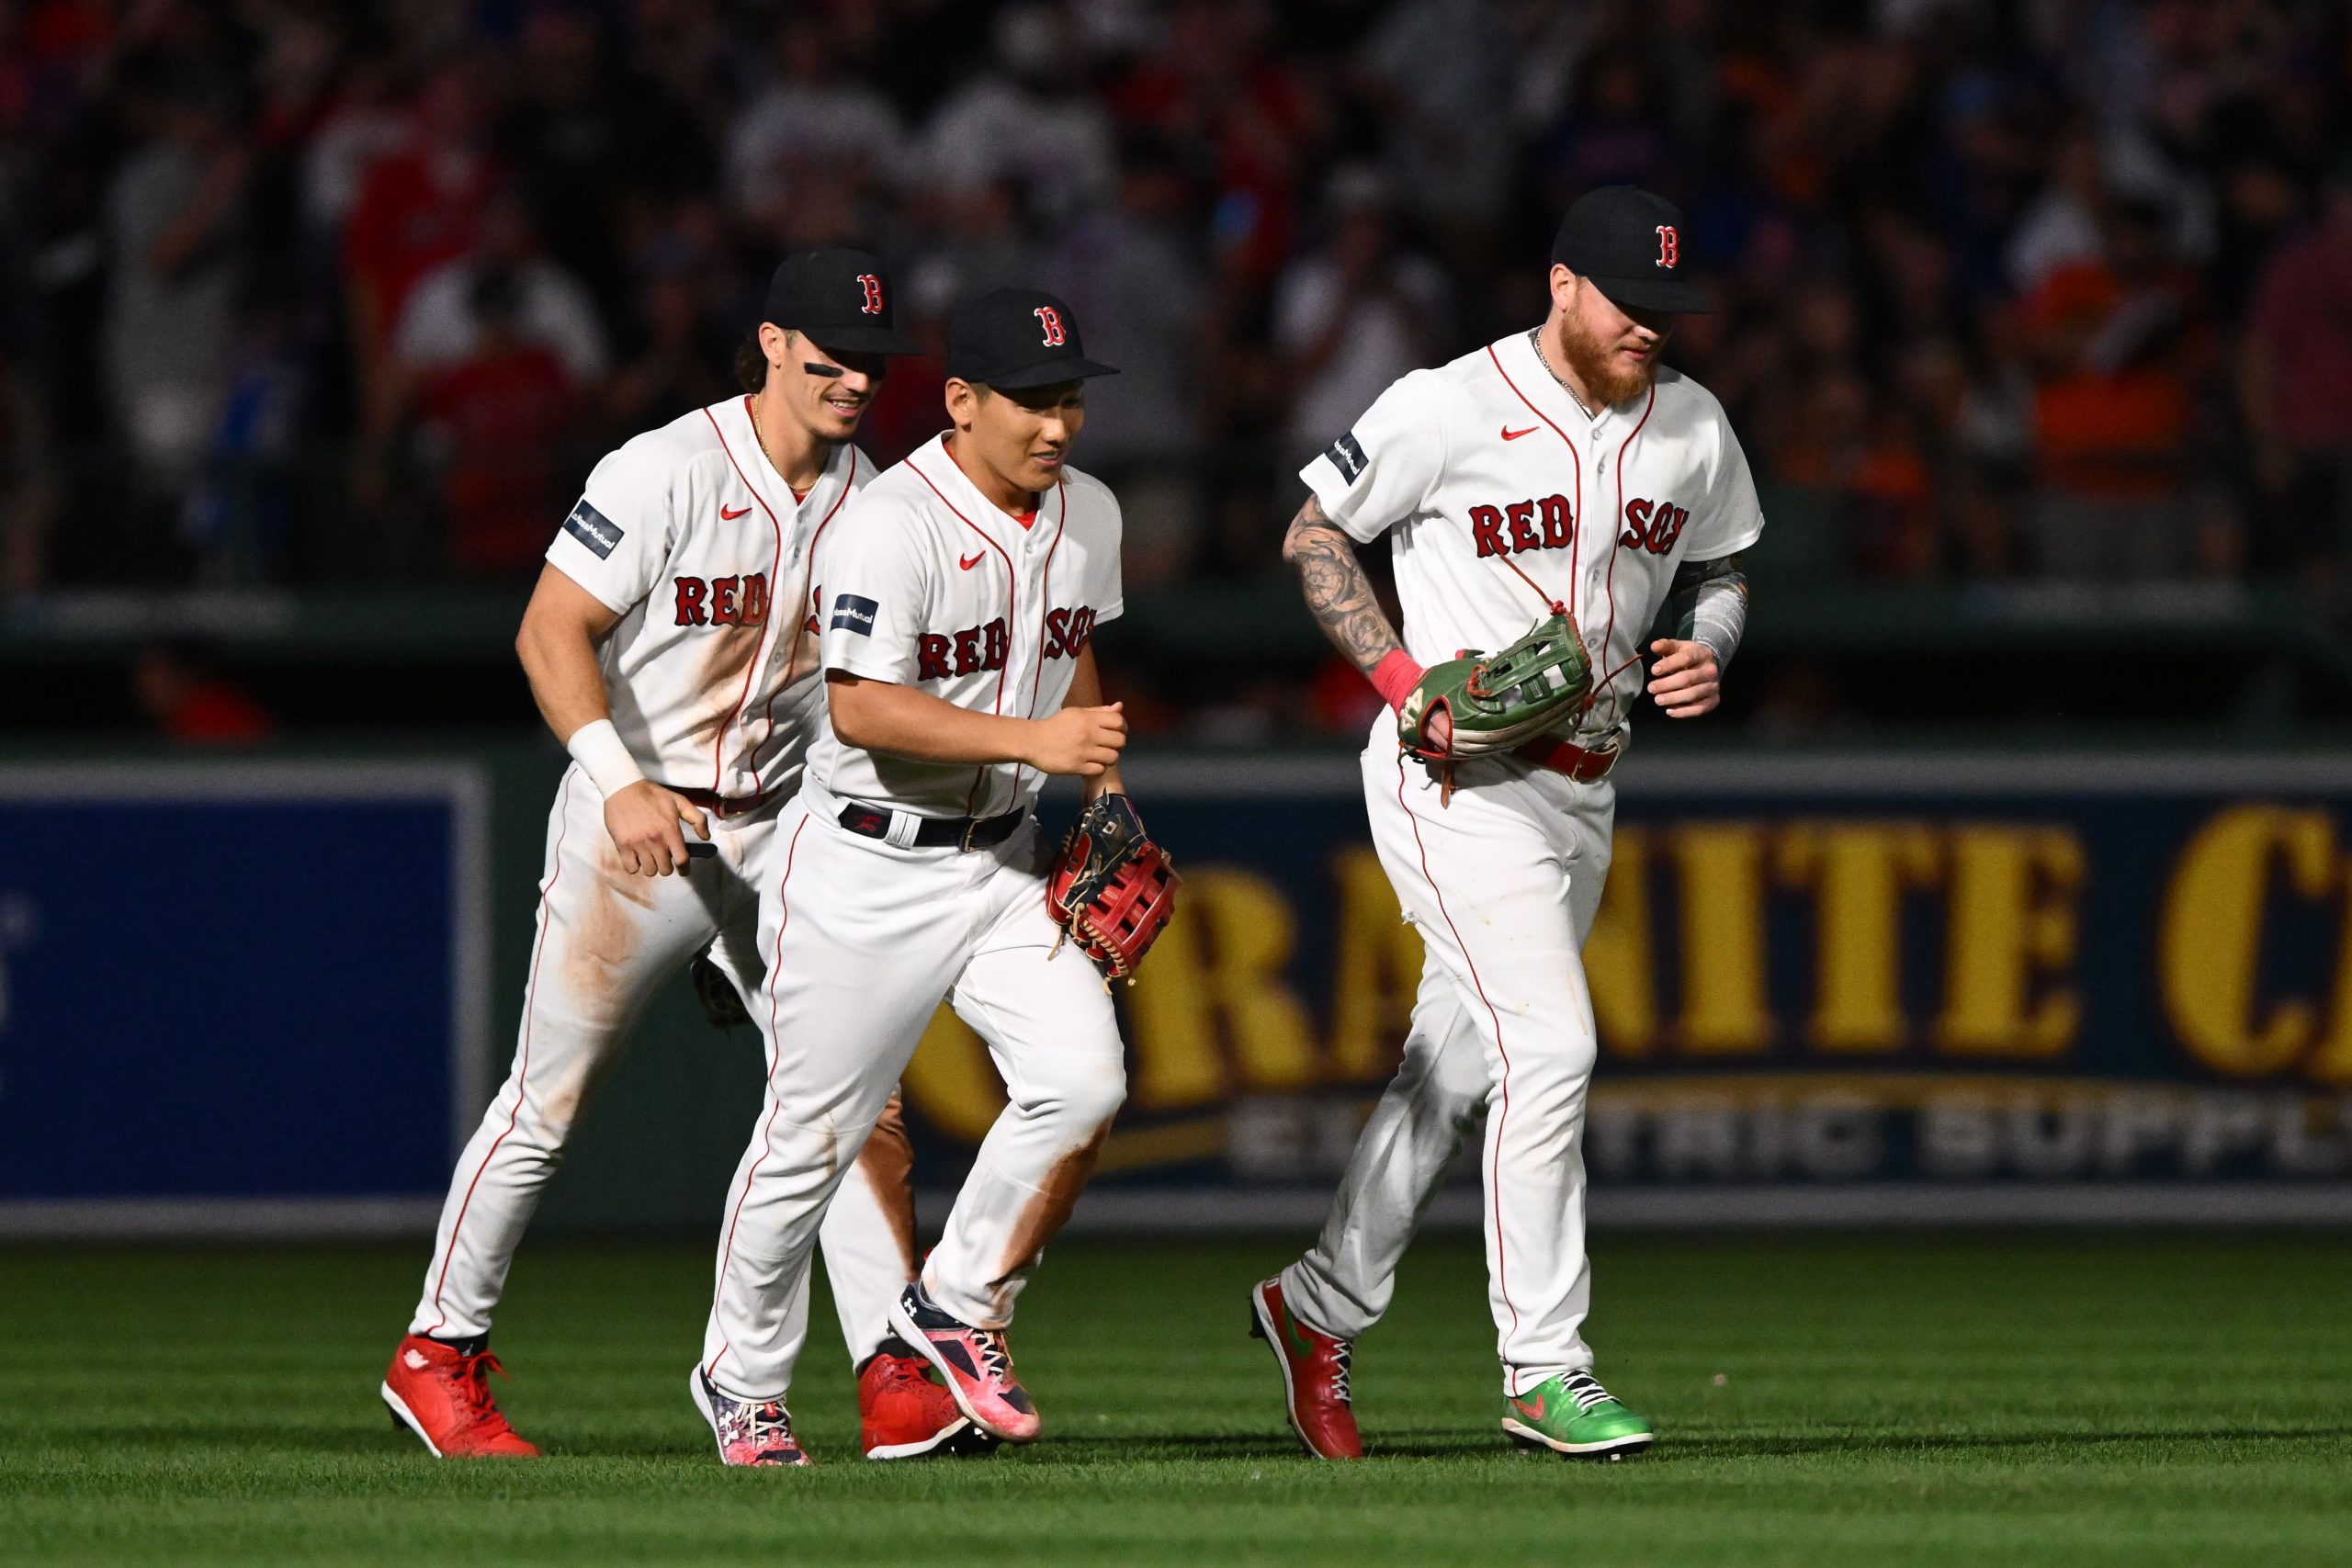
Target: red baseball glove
{"points": [[1113, 887]]}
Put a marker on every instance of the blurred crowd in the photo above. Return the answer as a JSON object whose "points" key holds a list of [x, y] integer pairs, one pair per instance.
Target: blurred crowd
{"points": [[293, 292]]}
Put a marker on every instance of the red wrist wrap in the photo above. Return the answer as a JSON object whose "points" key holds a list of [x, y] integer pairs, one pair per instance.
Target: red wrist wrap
{"points": [[1395, 677]]}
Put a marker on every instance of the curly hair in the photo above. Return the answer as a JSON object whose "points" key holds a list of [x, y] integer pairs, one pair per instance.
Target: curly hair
{"points": [[750, 363]]}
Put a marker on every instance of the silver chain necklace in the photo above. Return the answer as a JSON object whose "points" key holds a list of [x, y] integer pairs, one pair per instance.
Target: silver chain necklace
{"points": [[1535, 342]]}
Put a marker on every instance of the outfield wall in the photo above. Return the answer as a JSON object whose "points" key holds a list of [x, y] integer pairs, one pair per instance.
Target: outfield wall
{"points": [[1832, 989]]}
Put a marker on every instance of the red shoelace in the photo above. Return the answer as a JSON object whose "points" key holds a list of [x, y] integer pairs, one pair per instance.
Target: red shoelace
{"points": [[472, 1374]]}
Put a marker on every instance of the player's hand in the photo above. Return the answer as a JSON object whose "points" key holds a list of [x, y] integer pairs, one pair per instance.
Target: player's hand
{"points": [[1081, 741], [1686, 681], [645, 821]]}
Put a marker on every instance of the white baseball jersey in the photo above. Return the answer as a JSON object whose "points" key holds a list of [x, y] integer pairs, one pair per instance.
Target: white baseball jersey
{"points": [[690, 534], [1488, 464], [924, 582]]}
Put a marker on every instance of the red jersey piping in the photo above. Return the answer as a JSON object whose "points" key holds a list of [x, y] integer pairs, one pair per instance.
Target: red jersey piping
{"points": [[808, 580], [1610, 636], [1011, 618], [1045, 608], [759, 648], [1576, 538]]}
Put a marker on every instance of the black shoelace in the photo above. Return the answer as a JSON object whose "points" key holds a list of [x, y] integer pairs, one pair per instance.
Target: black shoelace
{"points": [[994, 1355]]}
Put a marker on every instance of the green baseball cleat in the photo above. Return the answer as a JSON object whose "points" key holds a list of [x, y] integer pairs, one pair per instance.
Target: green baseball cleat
{"points": [[1572, 1414]]}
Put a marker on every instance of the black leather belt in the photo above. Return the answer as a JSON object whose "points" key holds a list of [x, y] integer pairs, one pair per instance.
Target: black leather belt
{"points": [[935, 833]]}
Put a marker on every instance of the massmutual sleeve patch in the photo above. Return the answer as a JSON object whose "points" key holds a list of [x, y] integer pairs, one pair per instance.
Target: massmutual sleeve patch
{"points": [[1347, 456], [851, 613], [593, 529]]}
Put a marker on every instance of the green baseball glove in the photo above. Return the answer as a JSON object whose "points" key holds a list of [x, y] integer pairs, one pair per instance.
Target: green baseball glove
{"points": [[1484, 703]]}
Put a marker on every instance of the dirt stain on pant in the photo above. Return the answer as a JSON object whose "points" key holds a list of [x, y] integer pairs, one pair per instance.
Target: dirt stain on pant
{"points": [[1047, 1211], [583, 1003], [829, 1158], [601, 941], [560, 1104], [887, 1161]]}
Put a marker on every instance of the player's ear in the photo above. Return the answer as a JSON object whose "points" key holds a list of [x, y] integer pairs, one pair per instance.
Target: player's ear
{"points": [[963, 399], [1564, 286], [751, 363], [776, 342]]}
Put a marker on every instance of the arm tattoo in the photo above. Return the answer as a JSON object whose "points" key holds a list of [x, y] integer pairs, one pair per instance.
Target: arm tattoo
{"points": [[1337, 589], [1708, 603]]}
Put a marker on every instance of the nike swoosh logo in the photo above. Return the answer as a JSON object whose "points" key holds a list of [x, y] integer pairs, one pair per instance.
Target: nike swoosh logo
{"points": [[1532, 1408], [726, 515], [1510, 435], [968, 562]]}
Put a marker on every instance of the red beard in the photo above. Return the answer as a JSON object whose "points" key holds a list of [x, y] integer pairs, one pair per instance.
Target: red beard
{"points": [[1597, 367]]}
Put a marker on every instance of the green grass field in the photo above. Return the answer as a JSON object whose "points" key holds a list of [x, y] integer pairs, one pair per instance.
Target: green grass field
{"points": [[2126, 1399]]}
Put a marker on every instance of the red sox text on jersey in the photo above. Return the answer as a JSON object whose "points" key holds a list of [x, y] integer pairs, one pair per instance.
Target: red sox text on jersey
{"points": [[1549, 523], [722, 600], [942, 655]]}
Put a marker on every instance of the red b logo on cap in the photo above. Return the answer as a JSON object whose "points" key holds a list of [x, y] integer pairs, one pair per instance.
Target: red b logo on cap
{"points": [[872, 287], [1669, 245], [1051, 320]]}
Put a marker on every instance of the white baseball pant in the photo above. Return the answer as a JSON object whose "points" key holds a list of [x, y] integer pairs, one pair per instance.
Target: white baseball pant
{"points": [[1503, 884], [864, 941], [607, 941]]}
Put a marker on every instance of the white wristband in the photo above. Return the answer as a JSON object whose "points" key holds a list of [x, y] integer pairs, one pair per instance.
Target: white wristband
{"points": [[602, 755]]}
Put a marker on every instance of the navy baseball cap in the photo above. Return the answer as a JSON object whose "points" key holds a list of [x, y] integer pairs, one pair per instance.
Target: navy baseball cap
{"points": [[1629, 242], [840, 299], [1017, 337]]}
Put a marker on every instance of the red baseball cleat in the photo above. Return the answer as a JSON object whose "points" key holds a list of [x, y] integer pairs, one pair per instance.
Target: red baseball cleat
{"points": [[905, 1415], [1315, 1375], [975, 1363], [443, 1395]]}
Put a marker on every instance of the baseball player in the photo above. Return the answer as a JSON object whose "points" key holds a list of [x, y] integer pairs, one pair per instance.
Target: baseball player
{"points": [[1559, 469], [959, 598], [665, 647]]}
